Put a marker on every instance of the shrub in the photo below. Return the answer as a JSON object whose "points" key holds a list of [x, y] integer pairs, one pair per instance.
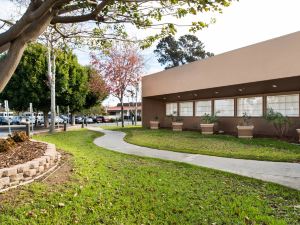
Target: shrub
{"points": [[207, 118], [6, 144], [246, 119], [281, 123], [19, 136]]}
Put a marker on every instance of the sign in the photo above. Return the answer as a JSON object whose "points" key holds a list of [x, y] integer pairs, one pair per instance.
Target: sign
{"points": [[6, 106], [8, 117]]}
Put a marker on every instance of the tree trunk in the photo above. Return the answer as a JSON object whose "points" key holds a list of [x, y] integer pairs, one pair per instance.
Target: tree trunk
{"points": [[17, 47], [53, 112], [46, 119], [122, 111], [51, 78], [136, 106], [73, 119]]}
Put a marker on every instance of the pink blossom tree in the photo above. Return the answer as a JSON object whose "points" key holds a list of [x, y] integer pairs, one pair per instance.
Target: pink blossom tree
{"points": [[121, 69]]}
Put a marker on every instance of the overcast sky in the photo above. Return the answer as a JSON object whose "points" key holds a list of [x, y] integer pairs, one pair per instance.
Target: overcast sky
{"points": [[243, 23]]}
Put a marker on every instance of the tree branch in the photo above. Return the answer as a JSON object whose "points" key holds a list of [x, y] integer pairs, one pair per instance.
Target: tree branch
{"points": [[94, 15]]}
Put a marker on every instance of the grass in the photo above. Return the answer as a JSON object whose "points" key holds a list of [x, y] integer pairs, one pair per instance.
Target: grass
{"points": [[112, 188], [216, 145]]}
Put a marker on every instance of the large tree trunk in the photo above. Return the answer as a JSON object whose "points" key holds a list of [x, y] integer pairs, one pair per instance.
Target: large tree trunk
{"points": [[16, 48]]}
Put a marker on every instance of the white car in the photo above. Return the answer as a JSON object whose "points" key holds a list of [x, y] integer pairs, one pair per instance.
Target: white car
{"points": [[57, 120]]}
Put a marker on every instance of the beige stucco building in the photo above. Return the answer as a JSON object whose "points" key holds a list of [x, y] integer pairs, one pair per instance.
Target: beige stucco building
{"points": [[250, 79]]}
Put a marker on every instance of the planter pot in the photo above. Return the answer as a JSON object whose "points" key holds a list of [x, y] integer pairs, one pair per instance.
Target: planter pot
{"points": [[298, 131], [245, 131], [154, 125], [177, 126], [207, 128]]}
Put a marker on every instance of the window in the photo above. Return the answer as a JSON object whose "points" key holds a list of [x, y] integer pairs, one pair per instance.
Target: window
{"points": [[203, 107], [224, 107], [171, 109], [186, 109], [251, 106], [287, 105]]}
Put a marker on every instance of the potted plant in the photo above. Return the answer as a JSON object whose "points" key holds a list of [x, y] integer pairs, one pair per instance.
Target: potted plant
{"points": [[154, 124], [177, 123], [207, 123], [245, 129]]}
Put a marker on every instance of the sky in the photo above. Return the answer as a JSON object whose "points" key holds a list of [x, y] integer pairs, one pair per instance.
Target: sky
{"points": [[243, 23]]}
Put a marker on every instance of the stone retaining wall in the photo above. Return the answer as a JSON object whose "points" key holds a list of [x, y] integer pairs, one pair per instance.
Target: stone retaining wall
{"points": [[27, 172]]}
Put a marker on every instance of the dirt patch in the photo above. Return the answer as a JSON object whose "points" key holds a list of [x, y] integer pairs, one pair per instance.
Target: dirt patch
{"points": [[22, 152], [63, 172]]}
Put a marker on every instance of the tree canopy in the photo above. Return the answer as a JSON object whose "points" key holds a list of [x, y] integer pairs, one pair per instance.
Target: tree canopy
{"points": [[121, 69], [172, 53], [30, 82], [110, 16]]}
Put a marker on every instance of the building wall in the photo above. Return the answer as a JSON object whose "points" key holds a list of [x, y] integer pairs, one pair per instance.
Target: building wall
{"points": [[272, 59], [154, 107]]}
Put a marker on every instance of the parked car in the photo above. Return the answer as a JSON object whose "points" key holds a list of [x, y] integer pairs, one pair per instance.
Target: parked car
{"points": [[23, 120], [99, 119], [65, 118], [6, 117], [16, 120], [78, 119], [57, 120], [89, 120]]}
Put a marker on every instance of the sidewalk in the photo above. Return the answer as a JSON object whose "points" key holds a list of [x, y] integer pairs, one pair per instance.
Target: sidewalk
{"points": [[287, 174]]}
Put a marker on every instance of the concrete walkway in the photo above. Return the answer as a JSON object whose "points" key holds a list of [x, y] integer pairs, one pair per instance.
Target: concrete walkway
{"points": [[287, 174]]}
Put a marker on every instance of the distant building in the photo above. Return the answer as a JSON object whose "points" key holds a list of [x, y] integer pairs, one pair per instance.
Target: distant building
{"points": [[129, 110]]}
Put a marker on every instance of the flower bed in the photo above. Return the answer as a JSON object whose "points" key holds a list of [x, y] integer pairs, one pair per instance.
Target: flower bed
{"points": [[27, 172]]}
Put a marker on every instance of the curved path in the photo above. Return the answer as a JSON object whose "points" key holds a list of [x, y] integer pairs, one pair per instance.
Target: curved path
{"points": [[287, 174]]}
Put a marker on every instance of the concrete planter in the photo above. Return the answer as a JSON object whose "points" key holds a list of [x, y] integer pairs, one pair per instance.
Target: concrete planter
{"points": [[28, 172], [154, 125], [245, 131], [177, 126], [207, 128], [298, 131]]}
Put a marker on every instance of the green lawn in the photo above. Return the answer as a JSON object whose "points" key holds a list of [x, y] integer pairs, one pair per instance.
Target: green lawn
{"points": [[112, 188], [217, 145]]}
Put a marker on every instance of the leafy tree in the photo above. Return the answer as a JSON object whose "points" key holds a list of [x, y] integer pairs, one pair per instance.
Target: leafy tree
{"points": [[30, 82], [108, 15], [174, 53], [97, 89], [121, 68]]}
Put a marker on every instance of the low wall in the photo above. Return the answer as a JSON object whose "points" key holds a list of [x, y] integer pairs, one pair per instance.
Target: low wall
{"points": [[28, 172]]}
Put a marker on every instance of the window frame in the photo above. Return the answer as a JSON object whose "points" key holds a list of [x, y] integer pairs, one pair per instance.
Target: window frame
{"points": [[204, 100], [283, 94], [243, 97], [234, 107], [179, 111], [167, 108]]}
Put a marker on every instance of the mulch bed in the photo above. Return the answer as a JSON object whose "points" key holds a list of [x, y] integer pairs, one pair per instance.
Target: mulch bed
{"points": [[22, 152]]}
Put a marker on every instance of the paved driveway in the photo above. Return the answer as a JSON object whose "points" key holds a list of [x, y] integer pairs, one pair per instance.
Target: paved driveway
{"points": [[287, 174]]}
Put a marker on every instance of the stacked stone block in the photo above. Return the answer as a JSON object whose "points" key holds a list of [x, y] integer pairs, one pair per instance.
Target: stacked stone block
{"points": [[29, 171]]}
